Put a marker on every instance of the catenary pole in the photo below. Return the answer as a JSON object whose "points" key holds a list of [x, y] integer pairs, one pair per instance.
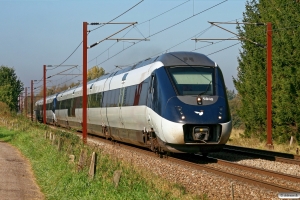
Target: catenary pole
{"points": [[84, 84], [269, 85], [25, 102], [31, 100], [44, 97]]}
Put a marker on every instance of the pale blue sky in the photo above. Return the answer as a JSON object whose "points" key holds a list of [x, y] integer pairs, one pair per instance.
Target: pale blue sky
{"points": [[38, 32]]}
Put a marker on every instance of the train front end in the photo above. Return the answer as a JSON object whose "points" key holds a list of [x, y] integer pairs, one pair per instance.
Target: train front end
{"points": [[195, 112]]}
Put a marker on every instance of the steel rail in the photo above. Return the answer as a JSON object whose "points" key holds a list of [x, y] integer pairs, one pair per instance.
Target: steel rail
{"points": [[283, 176], [264, 154], [270, 186], [243, 179]]}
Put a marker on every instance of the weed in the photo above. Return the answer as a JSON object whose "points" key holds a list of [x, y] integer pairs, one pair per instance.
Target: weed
{"points": [[58, 179]]}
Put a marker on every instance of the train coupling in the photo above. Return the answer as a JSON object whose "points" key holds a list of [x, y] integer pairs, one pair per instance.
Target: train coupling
{"points": [[201, 133]]}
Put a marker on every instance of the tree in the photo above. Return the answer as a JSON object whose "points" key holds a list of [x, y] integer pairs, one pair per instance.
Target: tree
{"points": [[95, 72], [251, 78], [56, 89], [10, 87], [250, 82], [230, 94]]}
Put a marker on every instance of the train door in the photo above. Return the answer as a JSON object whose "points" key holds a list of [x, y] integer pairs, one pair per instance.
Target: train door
{"points": [[108, 94], [103, 117], [54, 108], [150, 101], [121, 100]]}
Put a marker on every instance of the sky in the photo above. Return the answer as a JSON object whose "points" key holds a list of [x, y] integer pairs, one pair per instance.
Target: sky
{"points": [[34, 33]]}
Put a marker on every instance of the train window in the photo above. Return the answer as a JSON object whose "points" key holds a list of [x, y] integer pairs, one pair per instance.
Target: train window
{"points": [[143, 95], [124, 77], [151, 90], [111, 98], [124, 96], [192, 80], [104, 99], [114, 98], [121, 94], [131, 95], [94, 100]]}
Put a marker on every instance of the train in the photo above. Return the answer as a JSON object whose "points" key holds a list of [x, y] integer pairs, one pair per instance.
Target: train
{"points": [[175, 102]]}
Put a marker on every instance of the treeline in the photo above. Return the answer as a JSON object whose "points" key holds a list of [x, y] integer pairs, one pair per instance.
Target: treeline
{"points": [[93, 73], [251, 78], [10, 87], [234, 102]]}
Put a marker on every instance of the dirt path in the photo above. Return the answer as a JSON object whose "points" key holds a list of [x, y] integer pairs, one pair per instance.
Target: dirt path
{"points": [[16, 178]]}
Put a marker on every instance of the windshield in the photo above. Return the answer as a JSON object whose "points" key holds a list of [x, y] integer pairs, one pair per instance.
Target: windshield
{"points": [[193, 80]]}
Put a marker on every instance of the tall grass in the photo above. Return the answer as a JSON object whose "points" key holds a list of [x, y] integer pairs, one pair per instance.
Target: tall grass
{"points": [[237, 138], [59, 179]]}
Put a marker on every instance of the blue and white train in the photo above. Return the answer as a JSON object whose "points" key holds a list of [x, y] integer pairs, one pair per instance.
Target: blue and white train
{"points": [[175, 102]]}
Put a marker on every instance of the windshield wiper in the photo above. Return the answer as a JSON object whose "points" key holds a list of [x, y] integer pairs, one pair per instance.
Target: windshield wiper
{"points": [[205, 90]]}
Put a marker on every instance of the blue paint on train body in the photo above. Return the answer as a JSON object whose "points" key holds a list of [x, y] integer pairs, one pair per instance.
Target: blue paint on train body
{"points": [[167, 104]]}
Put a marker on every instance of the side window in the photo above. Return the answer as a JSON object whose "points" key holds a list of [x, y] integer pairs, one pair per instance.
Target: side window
{"points": [[131, 95], [152, 84], [116, 97], [125, 93], [100, 99], [143, 95], [124, 77], [80, 102], [105, 94], [120, 96], [137, 94], [110, 97]]}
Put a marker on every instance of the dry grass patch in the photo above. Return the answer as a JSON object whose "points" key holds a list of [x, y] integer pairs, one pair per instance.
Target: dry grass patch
{"points": [[236, 138]]}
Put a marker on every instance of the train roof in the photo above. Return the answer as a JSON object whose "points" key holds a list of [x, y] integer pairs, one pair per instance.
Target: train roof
{"points": [[185, 59], [182, 58]]}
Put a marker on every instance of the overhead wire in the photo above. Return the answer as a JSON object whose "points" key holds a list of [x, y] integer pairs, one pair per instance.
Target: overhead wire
{"points": [[162, 31], [164, 12], [95, 29], [141, 24], [165, 29], [118, 16], [224, 48], [188, 18], [198, 34]]}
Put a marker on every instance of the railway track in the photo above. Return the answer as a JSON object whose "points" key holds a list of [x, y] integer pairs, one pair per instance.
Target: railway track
{"points": [[212, 165], [200, 163], [264, 154]]}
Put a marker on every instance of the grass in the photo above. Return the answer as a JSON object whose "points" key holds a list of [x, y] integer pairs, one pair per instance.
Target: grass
{"points": [[237, 139], [58, 179]]}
